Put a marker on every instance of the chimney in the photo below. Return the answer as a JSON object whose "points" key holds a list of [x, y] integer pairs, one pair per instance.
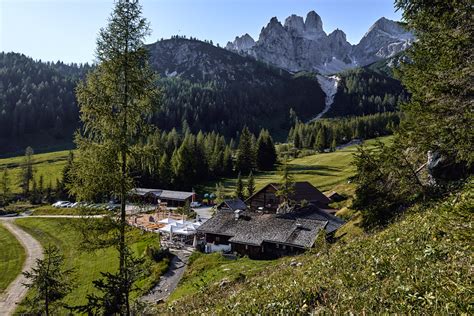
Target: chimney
{"points": [[237, 214]]}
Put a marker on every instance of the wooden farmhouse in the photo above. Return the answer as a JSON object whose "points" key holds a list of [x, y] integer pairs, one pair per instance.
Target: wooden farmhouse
{"points": [[266, 199], [262, 235], [157, 196]]}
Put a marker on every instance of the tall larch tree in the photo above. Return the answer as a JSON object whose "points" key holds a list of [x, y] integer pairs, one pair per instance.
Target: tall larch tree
{"points": [[115, 105]]}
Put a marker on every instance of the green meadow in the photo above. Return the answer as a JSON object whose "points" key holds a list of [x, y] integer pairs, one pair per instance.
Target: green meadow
{"points": [[11, 259]]}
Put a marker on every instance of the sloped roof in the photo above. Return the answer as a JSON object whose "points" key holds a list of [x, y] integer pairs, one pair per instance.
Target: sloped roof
{"points": [[255, 228], [303, 191], [314, 212], [163, 194], [234, 204]]}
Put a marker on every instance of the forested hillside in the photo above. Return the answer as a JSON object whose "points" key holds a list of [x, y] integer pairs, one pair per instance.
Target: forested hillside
{"points": [[203, 87], [365, 91], [37, 101]]}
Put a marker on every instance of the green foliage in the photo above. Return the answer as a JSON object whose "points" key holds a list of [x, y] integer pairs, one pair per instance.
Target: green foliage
{"points": [[239, 188], [363, 91], [266, 153], [386, 182], [37, 102], [286, 185], [115, 105], [50, 283], [5, 189], [27, 171], [438, 75], [250, 185], [246, 152], [332, 132]]}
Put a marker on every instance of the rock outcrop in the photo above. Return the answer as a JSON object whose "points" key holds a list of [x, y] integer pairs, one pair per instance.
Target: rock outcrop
{"points": [[303, 45]]}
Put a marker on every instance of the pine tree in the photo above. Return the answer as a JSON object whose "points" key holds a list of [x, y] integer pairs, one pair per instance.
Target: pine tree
{"points": [[321, 140], [286, 185], [245, 152], [27, 171], [115, 104], [250, 185], [333, 144], [50, 283], [266, 153], [239, 188], [439, 78]]}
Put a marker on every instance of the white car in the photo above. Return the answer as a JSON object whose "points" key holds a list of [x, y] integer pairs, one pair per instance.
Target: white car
{"points": [[195, 204], [61, 203]]}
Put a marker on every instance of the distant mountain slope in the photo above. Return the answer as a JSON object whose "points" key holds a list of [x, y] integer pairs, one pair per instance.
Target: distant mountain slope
{"points": [[37, 101], [214, 89], [203, 87], [303, 45]]}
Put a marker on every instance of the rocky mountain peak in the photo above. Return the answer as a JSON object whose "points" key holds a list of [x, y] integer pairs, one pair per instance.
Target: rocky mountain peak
{"points": [[295, 24], [241, 43], [338, 35], [313, 22], [303, 45]]}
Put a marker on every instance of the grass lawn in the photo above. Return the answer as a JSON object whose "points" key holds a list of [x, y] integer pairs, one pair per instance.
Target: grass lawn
{"points": [[325, 171], [11, 258], [50, 210], [209, 270], [63, 233], [50, 165]]}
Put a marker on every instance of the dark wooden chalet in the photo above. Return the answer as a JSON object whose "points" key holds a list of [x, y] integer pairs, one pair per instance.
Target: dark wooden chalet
{"points": [[232, 205], [156, 196], [267, 200], [267, 235]]}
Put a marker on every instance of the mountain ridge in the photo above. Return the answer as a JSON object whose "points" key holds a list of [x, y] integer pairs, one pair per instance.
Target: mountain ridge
{"points": [[303, 45]]}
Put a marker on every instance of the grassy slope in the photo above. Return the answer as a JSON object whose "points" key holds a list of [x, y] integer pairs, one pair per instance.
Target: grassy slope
{"points": [[325, 171], [50, 165], [420, 264], [209, 270], [11, 258], [88, 265]]}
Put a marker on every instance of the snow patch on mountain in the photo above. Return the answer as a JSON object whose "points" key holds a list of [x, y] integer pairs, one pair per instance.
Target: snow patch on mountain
{"points": [[329, 85]]}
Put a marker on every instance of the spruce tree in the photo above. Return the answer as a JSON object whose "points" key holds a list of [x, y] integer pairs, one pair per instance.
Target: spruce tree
{"points": [[266, 153], [27, 170], [250, 185], [239, 188], [438, 75], [321, 140], [50, 281], [286, 185], [115, 103], [245, 152]]}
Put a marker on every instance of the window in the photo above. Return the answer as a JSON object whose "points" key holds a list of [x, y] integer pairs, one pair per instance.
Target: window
{"points": [[218, 239], [284, 247]]}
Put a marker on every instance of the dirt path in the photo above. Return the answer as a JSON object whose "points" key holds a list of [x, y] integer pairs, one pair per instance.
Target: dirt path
{"points": [[169, 281], [15, 292]]}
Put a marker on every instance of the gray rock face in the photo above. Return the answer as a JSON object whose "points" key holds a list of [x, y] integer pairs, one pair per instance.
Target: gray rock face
{"points": [[241, 43], [303, 45]]}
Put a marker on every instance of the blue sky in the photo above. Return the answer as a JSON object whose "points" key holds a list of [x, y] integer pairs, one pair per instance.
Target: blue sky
{"points": [[67, 29]]}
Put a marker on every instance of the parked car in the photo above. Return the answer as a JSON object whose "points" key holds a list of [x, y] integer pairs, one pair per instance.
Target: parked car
{"points": [[195, 204], [61, 204]]}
